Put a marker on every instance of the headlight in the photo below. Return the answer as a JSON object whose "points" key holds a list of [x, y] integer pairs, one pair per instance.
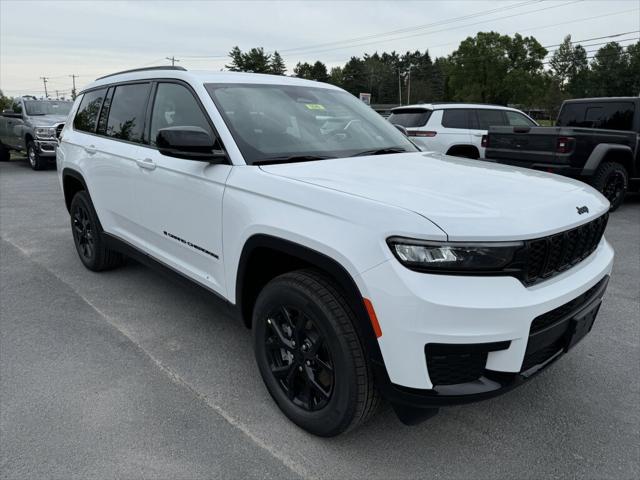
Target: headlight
{"points": [[45, 132], [455, 257]]}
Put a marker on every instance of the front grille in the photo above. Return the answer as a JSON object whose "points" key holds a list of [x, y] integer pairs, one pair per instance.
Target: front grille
{"points": [[451, 364], [547, 319], [548, 256]]}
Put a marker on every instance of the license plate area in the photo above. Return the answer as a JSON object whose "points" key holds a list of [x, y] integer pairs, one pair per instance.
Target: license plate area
{"points": [[580, 326]]}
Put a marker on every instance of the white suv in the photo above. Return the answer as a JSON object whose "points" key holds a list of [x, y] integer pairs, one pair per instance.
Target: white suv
{"points": [[458, 129], [365, 268]]}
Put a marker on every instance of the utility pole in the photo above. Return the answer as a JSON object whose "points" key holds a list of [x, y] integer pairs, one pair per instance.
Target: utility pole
{"points": [[399, 86], [409, 85], [173, 60], [73, 90], [45, 80], [57, 96]]}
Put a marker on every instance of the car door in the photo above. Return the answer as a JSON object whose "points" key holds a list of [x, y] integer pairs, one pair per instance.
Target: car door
{"points": [[482, 120], [108, 130], [179, 201], [455, 128], [14, 126]]}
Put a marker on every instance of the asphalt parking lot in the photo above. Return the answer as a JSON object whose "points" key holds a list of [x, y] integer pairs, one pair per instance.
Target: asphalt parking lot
{"points": [[129, 374]]}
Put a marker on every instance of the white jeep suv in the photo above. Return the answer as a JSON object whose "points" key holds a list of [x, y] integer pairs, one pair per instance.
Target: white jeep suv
{"points": [[458, 129], [365, 268]]}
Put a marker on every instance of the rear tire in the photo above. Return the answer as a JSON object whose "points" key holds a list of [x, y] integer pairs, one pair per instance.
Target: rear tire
{"points": [[34, 158], [310, 356], [89, 238], [612, 180], [5, 154]]}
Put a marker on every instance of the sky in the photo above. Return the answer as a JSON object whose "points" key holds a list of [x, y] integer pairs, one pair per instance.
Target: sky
{"points": [[92, 38]]}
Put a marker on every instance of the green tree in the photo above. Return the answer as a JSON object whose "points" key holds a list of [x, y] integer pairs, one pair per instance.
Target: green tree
{"points": [[335, 76], [494, 68], [237, 61], [610, 68], [277, 65], [5, 102], [255, 60], [319, 72], [633, 51], [354, 76], [570, 67], [303, 70]]}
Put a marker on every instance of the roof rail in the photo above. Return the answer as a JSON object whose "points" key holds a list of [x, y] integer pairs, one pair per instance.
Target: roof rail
{"points": [[144, 69]]}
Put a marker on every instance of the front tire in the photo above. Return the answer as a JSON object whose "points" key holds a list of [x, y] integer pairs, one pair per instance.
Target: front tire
{"points": [[89, 238], [612, 180], [35, 160], [310, 356]]}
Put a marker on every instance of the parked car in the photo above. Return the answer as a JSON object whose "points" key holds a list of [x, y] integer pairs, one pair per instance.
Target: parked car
{"points": [[596, 140], [365, 268], [31, 126], [457, 129]]}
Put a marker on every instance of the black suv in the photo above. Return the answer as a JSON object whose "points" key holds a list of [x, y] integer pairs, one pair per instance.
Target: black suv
{"points": [[595, 139]]}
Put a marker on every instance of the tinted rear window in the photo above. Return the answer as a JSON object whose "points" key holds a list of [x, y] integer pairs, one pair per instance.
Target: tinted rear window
{"points": [[607, 115], [88, 111], [127, 112], [414, 117], [456, 118]]}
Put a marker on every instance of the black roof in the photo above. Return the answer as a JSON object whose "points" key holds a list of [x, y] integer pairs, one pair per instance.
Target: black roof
{"points": [[603, 99]]}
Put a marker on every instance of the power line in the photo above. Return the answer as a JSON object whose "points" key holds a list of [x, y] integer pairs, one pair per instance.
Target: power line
{"points": [[408, 29], [441, 30]]}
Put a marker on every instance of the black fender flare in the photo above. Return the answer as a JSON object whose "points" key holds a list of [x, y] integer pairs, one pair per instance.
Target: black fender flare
{"points": [[324, 263]]}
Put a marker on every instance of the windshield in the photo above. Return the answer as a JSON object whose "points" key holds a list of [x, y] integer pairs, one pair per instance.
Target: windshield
{"points": [[282, 122], [46, 107], [410, 117]]}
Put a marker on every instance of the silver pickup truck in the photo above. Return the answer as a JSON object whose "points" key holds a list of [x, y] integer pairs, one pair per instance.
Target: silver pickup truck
{"points": [[32, 126]]}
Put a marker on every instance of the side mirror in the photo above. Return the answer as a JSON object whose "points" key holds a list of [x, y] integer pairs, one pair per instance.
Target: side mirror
{"points": [[11, 114], [402, 129], [191, 143]]}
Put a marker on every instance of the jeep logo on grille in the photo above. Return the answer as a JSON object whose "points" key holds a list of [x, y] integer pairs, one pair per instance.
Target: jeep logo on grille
{"points": [[582, 210]]}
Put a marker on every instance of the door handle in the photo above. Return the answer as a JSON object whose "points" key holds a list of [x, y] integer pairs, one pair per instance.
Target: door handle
{"points": [[146, 163], [91, 149]]}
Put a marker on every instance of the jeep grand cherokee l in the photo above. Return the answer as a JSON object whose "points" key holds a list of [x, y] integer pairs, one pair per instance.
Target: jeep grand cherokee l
{"points": [[365, 268]]}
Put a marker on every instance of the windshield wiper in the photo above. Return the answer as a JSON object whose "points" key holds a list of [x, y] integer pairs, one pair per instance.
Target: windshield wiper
{"points": [[291, 159], [380, 151]]}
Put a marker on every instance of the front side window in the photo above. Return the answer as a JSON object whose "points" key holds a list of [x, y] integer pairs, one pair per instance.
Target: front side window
{"points": [[410, 117], [174, 106], [276, 122], [455, 118], [127, 112], [488, 118], [516, 119], [87, 115]]}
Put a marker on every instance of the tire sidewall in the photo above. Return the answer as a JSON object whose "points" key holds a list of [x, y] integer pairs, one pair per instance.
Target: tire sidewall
{"points": [[82, 198], [36, 164], [615, 169], [337, 414]]}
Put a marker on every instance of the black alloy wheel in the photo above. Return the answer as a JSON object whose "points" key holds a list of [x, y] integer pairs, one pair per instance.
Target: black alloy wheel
{"points": [[83, 233], [299, 358], [310, 355], [88, 237], [612, 180]]}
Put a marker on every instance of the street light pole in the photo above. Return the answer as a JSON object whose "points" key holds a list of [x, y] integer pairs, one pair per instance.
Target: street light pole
{"points": [[173, 60]]}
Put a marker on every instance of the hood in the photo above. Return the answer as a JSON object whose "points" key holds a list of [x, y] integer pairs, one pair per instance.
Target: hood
{"points": [[468, 199], [46, 120]]}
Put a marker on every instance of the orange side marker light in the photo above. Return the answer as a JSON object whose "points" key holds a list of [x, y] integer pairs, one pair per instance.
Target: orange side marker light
{"points": [[372, 317]]}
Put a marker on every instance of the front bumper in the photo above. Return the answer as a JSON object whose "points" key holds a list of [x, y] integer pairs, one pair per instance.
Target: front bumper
{"points": [[458, 339], [47, 148]]}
